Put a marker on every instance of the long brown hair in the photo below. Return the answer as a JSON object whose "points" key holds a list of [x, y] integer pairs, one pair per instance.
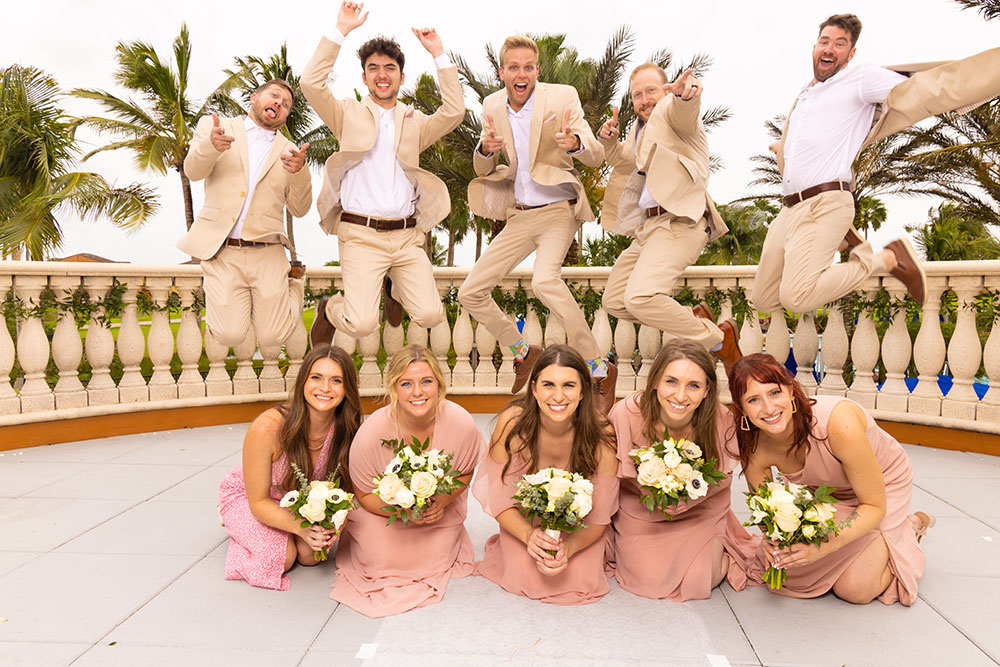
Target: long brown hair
{"points": [[704, 419], [590, 429], [765, 369], [346, 417]]}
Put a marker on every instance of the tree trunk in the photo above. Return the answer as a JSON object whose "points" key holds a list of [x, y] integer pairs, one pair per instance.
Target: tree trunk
{"points": [[290, 231], [451, 248], [479, 241], [188, 201], [429, 246]]}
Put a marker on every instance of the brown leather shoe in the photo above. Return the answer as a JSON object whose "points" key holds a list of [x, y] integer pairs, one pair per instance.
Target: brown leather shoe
{"points": [[393, 309], [322, 330], [522, 368], [730, 350], [704, 311], [908, 270], [296, 270], [852, 239], [604, 390]]}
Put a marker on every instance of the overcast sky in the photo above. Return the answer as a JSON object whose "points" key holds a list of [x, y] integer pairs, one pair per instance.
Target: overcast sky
{"points": [[761, 52]]}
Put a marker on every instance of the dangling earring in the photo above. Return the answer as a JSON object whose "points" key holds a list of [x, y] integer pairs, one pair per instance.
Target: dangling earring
{"points": [[793, 405], [744, 424]]}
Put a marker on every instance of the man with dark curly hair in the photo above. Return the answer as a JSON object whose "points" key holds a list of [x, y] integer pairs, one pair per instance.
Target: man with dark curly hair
{"points": [[374, 182]]}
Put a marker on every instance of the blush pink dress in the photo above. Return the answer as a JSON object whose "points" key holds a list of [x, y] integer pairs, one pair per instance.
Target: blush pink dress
{"points": [[384, 570], [906, 559], [657, 557], [507, 561], [257, 551]]}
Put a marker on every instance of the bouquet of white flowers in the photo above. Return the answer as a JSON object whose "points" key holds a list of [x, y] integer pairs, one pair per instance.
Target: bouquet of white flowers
{"points": [[414, 475], [670, 471], [558, 499], [318, 502], [789, 513]]}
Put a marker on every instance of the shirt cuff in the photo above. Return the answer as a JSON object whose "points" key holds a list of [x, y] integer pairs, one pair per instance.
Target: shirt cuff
{"points": [[578, 150], [442, 61], [336, 37]]}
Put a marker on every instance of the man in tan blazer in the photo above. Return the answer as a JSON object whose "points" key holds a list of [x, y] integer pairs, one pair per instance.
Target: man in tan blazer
{"points": [[658, 194], [375, 197], [539, 128], [838, 114], [252, 173]]}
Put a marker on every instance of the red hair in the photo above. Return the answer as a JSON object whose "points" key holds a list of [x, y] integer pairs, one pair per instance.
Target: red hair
{"points": [[765, 369]]}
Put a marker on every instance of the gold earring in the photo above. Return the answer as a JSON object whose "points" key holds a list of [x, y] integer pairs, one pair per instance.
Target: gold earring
{"points": [[744, 424], [793, 405]]}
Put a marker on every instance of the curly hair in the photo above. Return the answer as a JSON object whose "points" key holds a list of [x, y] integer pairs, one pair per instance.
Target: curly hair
{"points": [[385, 46]]}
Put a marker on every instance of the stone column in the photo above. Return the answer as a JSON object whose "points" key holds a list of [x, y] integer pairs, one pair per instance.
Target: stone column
{"points": [[462, 339], [160, 342], [67, 350], [33, 347], [896, 348], [834, 351], [964, 351], [929, 352], [805, 347], [131, 349]]}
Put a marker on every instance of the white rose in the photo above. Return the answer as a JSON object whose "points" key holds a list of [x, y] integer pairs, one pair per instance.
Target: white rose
{"points": [[319, 490], [787, 517], [780, 497], [583, 504], [646, 454], [289, 499], [683, 472], [690, 450], [389, 486], [583, 484], [433, 453], [557, 488], [808, 530], [538, 478], [671, 458], [314, 511], [696, 486], [339, 517], [651, 472], [826, 511], [395, 465], [423, 484], [404, 498]]}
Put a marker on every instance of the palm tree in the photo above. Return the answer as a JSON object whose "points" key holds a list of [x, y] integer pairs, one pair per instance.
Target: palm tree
{"points": [[37, 149], [990, 9], [949, 235], [157, 128], [747, 222]]}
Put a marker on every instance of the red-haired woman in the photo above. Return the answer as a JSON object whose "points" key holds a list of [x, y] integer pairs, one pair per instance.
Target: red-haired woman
{"points": [[831, 440]]}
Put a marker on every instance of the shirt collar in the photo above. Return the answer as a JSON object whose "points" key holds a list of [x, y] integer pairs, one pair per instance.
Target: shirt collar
{"points": [[250, 126], [526, 109]]}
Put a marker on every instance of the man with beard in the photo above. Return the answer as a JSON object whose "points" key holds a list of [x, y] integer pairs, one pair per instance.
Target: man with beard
{"points": [[838, 114], [539, 128], [252, 173], [375, 184], [658, 193]]}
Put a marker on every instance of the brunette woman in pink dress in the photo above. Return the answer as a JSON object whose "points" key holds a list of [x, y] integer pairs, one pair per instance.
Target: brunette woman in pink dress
{"points": [[830, 440], [388, 569], [312, 429], [686, 553], [554, 425]]}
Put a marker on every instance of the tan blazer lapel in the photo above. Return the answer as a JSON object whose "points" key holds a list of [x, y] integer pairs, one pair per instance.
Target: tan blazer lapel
{"points": [[502, 123], [398, 114], [538, 112], [240, 139]]}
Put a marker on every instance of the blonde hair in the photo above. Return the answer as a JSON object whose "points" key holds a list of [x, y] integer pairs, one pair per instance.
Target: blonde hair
{"points": [[650, 66], [397, 365], [517, 42]]}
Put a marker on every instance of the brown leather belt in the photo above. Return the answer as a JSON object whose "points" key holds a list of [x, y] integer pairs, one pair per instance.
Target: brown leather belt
{"points": [[522, 207], [240, 243], [653, 212], [379, 224], [792, 200]]}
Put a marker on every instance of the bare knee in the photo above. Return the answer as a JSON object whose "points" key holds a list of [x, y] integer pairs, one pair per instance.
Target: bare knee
{"points": [[855, 592]]}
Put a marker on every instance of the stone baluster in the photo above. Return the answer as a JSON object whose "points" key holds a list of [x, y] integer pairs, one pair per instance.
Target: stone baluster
{"points": [[602, 332], [964, 351], [217, 382], [486, 372], [295, 348], [189, 345], [440, 345], [532, 332], [131, 349], [245, 378], [392, 339], [864, 353], [806, 347], [33, 348], [271, 379], [462, 375], [555, 332], [100, 347], [10, 404], [649, 345], [160, 342], [625, 345], [896, 349], [341, 340], [369, 377], [751, 337], [929, 352], [777, 342], [67, 349], [725, 313], [989, 407], [416, 334], [835, 347]]}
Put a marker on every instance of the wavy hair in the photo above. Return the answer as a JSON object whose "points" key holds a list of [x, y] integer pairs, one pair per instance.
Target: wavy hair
{"points": [[397, 365]]}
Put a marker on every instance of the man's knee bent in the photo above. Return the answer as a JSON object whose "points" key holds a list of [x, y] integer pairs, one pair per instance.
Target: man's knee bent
{"points": [[227, 336], [428, 318]]}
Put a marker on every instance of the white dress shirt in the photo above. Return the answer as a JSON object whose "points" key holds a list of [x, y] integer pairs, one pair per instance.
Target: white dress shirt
{"points": [[830, 122], [528, 192], [259, 142], [645, 199]]}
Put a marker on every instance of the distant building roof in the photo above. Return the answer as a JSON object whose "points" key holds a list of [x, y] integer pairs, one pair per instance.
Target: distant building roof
{"points": [[86, 257]]}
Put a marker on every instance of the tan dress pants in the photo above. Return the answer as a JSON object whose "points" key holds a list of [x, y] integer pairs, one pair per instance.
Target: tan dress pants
{"points": [[366, 256], [244, 284], [648, 272], [548, 232], [795, 269]]}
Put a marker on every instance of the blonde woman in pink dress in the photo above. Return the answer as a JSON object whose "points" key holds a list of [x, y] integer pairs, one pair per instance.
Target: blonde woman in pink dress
{"points": [[384, 570], [554, 425], [685, 555], [312, 429], [831, 440]]}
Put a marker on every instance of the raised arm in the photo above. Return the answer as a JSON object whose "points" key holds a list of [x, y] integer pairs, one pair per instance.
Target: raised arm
{"points": [[681, 108], [210, 141], [452, 110], [576, 137], [608, 136], [487, 153]]}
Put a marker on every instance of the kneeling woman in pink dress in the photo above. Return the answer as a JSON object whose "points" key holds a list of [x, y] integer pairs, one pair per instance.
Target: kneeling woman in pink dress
{"points": [[831, 440], [388, 569], [554, 425], [312, 429], [685, 553]]}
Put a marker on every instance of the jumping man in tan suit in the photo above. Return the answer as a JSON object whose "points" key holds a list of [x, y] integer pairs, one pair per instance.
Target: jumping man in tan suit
{"points": [[657, 193], [539, 128], [838, 114], [374, 183], [252, 173]]}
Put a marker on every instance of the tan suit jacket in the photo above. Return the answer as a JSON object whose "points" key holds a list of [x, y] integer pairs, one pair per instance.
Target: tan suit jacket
{"points": [[673, 155], [931, 89], [355, 124], [492, 194], [227, 177]]}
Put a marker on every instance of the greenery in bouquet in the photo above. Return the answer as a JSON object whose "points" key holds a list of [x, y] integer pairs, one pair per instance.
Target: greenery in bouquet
{"points": [[671, 472], [414, 475], [318, 502], [557, 498]]}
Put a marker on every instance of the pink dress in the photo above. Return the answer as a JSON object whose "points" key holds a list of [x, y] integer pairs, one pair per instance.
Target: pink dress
{"points": [[906, 559], [507, 561], [657, 557], [257, 551], [384, 570]]}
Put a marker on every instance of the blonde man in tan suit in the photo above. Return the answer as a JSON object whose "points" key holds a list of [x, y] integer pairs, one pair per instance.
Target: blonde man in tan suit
{"points": [[836, 116], [375, 197], [539, 128], [658, 194], [252, 173]]}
